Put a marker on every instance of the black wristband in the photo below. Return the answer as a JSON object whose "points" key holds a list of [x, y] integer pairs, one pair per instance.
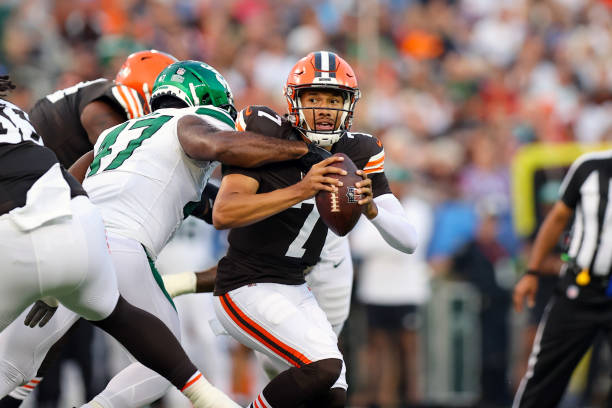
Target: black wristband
{"points": [[532, 272]]}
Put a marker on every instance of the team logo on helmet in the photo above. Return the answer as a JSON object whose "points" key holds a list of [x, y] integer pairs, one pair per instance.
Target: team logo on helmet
{"points": [[195, 83]]}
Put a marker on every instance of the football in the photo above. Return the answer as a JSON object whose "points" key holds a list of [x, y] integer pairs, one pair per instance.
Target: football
{"points": [[340, 210]]}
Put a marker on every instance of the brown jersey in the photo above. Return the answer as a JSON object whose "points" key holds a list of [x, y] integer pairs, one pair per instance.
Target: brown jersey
{"points": [[280, 248], [57, 117]]}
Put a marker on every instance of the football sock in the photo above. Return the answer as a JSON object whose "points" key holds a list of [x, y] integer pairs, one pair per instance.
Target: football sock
{"points": [[19, 394], [260, 402], [10, 402], [202, 394], [149, 341]]}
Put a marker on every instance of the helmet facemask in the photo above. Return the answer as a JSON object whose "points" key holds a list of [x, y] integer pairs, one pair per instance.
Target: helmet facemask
{"points": [[318, 72], [342, 117]]}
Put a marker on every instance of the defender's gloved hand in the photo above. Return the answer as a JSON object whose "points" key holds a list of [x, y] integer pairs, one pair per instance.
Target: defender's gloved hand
{"points": [[41, 312], [208, 196]]}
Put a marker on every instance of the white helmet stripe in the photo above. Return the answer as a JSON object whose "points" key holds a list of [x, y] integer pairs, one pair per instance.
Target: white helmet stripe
{"points": [[324, 64], [129, 98], [194, 95], [122, 101], [137, 102], [147, 93]]}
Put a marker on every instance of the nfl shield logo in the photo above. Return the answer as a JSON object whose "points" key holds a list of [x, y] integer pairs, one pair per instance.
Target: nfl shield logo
{"points": [[351, 195]]}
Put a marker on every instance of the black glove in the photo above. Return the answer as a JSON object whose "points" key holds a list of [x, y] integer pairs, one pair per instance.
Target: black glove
{"points": [[315, 155], [203, 209], [208, 196], [40, 314]]}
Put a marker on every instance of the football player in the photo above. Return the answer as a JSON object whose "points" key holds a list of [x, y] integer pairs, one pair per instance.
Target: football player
{"points": [[54, 244], [69, 122], [276, 234], [146, 175]]}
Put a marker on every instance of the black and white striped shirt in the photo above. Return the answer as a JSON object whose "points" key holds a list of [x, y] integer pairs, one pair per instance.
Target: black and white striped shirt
{"points": [[586, 189], [23, 159]]}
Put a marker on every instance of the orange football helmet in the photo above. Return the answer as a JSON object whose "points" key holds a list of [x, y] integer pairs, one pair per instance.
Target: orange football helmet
{"points": [[140, 70], [322, 70]]}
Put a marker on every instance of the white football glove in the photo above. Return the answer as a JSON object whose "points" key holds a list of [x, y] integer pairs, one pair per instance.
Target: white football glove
{"points": [[180, 283]]}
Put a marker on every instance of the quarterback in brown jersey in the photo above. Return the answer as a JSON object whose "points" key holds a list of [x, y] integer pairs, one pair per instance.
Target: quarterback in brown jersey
{"points": [[276, 234]]}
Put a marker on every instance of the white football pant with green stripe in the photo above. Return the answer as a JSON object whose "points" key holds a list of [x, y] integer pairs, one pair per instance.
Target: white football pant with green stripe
{"points": [[22, 348]]}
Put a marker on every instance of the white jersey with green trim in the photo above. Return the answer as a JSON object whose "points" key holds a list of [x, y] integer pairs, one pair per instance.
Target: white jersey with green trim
{"points": [[142, 180]]}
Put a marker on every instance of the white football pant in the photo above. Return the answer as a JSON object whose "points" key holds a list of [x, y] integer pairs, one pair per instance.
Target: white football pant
{"points": [[136, 385], [284, 322], [66, 258]]}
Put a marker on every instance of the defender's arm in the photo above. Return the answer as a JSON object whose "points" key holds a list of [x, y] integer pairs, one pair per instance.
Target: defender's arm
{"points": [[238, 203], [202, 142]]}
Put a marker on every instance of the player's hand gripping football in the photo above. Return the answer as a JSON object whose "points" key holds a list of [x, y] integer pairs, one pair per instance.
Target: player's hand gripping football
{"points": [[364, 189], [318, 178], [526, 288]]}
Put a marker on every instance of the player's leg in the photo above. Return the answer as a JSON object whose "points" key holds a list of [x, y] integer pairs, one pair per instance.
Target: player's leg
{"points": [[23, 350], [564, 335], [137, 385], [285, 323], [23, 255], [331, 281], [97, 299]]}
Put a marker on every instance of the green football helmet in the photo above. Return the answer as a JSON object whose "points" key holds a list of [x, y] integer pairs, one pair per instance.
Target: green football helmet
{"points": [[195, 83]]}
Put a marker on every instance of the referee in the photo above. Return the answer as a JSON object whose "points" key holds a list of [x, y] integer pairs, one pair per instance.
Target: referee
{"points": [[582, 304]]}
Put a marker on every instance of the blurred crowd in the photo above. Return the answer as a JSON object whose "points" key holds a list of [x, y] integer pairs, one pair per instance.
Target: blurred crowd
{"points": [[453, 88]]}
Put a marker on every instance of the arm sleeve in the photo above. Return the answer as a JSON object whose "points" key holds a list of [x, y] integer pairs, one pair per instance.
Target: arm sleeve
{"points": [[392, 224]]}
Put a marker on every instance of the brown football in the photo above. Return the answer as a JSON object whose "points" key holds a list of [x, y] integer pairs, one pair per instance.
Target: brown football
{"points": [[340, 210]]}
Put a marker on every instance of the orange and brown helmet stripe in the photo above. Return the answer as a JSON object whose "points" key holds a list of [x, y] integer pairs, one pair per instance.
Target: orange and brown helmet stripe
{"points": [[321, 69], [140, 70]]}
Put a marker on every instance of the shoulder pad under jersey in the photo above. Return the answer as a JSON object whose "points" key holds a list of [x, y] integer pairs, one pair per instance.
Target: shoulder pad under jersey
{"points": [[261, 119]]}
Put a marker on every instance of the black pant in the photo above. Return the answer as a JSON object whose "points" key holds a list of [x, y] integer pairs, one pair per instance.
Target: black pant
{"points": [[567, 330]]}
